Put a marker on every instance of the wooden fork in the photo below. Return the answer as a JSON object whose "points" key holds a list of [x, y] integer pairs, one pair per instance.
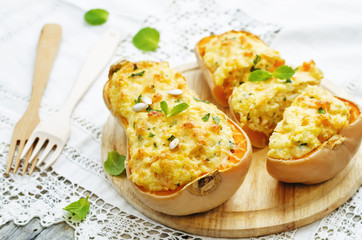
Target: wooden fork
{"points": [[52, 133], [48, 45]]}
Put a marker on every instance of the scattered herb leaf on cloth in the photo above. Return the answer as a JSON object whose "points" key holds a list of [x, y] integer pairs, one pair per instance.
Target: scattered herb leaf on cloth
{"points": [[114, 164], [79, 208], [146, 39], [96, 16]]}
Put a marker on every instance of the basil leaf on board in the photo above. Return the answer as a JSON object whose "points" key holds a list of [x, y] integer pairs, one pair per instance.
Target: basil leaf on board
{"points": [[79, 208], [177, 109], [284, 72], [146, 39], [114, 165], [96, 16], [259, 76]]}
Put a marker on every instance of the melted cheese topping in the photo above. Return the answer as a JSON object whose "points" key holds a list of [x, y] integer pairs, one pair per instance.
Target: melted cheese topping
{"points": [[231, 55], [203, 147], [314, 117], [260, 105]]}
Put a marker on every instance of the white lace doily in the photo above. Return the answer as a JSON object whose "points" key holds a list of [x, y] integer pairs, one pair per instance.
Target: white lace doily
{"points": [[45, 193]]}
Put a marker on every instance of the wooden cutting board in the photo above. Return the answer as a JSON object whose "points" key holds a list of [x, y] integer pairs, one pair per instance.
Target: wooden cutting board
{"points": [[262, 205]]}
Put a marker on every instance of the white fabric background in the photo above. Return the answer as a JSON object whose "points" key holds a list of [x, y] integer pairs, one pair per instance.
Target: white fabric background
{"points": [[329, 32]]}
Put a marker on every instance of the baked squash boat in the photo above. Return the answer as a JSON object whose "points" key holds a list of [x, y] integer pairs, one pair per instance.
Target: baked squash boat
{"points": [[184, 155], [228, 60], [316, 139]]}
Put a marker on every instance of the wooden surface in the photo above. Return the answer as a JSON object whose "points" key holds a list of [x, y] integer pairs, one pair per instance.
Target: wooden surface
{"points": [[34, 231], [261, 206]]}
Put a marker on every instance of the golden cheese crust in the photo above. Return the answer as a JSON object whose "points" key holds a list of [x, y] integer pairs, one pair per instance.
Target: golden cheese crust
{"points": [[260, 105], [231, 55], [314, 117], [205, 137]]}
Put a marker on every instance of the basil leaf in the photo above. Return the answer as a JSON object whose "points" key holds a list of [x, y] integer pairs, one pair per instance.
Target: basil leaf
{"points": [[146, 39], [216, 119], [151, 135], [114, 165], [96, 16], [79, 208], [164, 107], [284, 72], [321, 111], [137, 74], [206, 117], [259, 76], [177, 109]]}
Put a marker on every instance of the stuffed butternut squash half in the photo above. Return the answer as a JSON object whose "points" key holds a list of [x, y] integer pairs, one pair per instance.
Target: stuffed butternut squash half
{"points": [[184, 155], [316, 139], [251, 78]]}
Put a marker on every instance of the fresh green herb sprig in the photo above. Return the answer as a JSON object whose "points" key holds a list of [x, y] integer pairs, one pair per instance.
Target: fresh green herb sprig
{"points": [[114, 165], [96, 16], [216, 119], [175, 110], [321, 110], [283, 72], [171, 138], [138, 100], [199, 100], [137, 74], [79, 208], [206, 117], [146, 39]]}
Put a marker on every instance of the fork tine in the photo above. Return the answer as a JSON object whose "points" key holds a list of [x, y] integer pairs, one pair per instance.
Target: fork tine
{"points": [[54, 157], [28, 145], [27, 157], [13, 144], [37, 148], [18, 159], [33, 165], [48, 148]]}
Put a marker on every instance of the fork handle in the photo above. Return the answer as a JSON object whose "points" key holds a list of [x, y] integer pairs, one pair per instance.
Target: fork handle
{"points": [[99, 56], [48, 46]]}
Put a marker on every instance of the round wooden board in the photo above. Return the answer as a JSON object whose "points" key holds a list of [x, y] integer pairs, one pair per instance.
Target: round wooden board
{"points": [[262, 205]]}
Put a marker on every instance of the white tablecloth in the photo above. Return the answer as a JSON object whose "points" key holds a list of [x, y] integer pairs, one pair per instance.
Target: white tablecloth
{"points": [[329, 32]]}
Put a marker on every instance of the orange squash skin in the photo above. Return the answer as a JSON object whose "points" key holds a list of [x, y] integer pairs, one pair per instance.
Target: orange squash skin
{"points": [[323, 163]]}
